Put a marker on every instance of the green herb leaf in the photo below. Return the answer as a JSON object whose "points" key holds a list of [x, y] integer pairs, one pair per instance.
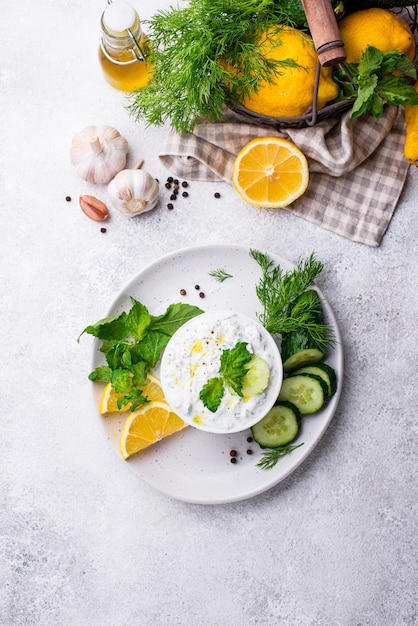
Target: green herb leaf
{"points": [[212, 393], [175, 316], [270, 458], [121, 380], [138, 320], [132, 344], [278, 291], [108, 328], [151, 347], [395, 91], [232, 367], [102, 374], [377, 84], [220, 275], [203, 55]]}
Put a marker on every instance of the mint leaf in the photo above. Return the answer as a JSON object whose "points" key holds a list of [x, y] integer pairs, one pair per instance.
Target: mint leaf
{"points": [[363, 102], [121, 380], [396, 60], [138, 320], [395, 91], [212, 393], [232, 367], [370, 61], [113, 327], [151, 347], [174, 317], [377, 84], [118, 354], [139, 373], [103, 373]]}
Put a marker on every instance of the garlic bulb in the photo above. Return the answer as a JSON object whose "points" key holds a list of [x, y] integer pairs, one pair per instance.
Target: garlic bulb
{"points": [[98, 153], [133, 192]]}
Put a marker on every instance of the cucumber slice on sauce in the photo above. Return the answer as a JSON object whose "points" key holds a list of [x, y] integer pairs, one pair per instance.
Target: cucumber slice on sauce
{"points": [[279, 427], [257, 377], [309, 393], [324, 371]]}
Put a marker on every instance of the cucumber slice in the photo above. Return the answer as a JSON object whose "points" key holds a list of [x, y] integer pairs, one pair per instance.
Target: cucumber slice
{"points": [[302, 358], [306, 391], [324, 371], [279, 427], [257, 377]]}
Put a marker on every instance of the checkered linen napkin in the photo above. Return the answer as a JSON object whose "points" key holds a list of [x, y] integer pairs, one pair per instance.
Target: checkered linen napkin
{"points": [[357, 166]]}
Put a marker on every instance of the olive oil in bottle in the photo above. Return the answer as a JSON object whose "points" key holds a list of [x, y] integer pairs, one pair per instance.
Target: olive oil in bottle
{"points": [[123, 48]]}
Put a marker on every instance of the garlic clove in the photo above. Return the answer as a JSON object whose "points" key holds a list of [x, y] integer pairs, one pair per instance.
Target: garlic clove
{"points": [[133, 192], [98, 153]]}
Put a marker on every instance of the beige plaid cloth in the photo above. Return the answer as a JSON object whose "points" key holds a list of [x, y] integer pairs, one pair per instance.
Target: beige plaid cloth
{"points": [[357, 166]]}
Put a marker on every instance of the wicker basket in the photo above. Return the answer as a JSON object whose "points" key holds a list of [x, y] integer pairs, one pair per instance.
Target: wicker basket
{"points": [[314, 115]]}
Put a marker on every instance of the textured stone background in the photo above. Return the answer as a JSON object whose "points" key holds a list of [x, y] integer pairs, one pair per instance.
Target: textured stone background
{"points": [[82, 540]]}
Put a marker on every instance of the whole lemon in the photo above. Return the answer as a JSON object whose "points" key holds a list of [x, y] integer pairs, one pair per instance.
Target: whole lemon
{"points": [[375, 27], [291, 93]]}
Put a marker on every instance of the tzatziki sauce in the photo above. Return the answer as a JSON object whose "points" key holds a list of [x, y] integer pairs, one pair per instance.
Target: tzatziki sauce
{"points": [[193, 356]]}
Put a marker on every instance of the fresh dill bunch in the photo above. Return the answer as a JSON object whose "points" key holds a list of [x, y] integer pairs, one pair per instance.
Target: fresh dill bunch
{"points": [[204, 56], [278, 290]]}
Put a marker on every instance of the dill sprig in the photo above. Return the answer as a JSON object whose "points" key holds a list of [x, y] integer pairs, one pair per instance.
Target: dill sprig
{"points": [[271, 457], [220, 275], [204, 56], [277, 291]]}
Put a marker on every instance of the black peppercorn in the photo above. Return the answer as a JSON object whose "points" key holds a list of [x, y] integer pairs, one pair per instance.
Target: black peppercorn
{"points": [[217, 194], [201, 294], [68, 198], [233, 453], [233, 460], [197, 287], [184, 183], [170, 179], [249, 451], [182, 292], [103, 230], [173, 196], [184, 194], [168, 185], [170, 206]]}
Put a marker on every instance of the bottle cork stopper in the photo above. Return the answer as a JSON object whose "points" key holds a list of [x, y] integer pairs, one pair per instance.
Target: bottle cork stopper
{"points": [[118, 17]]}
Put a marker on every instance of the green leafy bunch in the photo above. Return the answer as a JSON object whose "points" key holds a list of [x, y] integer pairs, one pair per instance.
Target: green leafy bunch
{"points": [[204, 55], [132, 343], [232, 372], [278, 290], [374, 84]]}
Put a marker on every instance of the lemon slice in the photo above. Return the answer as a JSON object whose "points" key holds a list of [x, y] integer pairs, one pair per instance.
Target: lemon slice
{"points": [[270, 172], [109, 400], [147, 425]]}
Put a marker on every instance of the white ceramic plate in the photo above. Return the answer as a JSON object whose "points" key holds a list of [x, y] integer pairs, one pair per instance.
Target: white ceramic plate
{"points": [[192, 465]]}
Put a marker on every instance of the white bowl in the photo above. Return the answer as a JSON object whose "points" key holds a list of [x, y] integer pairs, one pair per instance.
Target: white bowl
{"points": [[192, 357]]}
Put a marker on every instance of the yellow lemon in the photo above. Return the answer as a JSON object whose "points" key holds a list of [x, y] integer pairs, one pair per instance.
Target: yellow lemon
{"points": [[109, 400], [411, 134], [270, 172], [147, 425], [378, 28], [291, 93]]}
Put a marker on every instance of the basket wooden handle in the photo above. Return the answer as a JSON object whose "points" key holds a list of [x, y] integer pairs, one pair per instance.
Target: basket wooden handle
{"points": [[325, 32]]}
